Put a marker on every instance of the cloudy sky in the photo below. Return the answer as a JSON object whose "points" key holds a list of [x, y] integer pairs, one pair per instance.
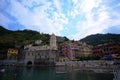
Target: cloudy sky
{"points": [[74, 19]]}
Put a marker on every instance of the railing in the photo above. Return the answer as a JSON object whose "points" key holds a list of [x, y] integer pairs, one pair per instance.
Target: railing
{"points": [[116, 71]]}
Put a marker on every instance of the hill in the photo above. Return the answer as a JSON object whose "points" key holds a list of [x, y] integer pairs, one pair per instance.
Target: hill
{"points": [[10, 38], [101, 38]]}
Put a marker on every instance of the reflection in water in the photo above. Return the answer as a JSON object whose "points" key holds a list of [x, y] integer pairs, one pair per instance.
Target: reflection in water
{"points": [[44, 73]]}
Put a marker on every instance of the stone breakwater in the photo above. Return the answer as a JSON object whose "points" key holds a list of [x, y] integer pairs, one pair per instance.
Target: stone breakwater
{"points": [[96, 65]]}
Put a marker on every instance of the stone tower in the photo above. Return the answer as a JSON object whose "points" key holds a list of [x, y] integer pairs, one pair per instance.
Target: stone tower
{"points": [[53, 44]]}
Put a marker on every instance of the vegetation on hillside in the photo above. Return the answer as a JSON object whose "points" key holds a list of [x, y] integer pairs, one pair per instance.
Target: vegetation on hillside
{"points": [[101, 38], [10, 38]]}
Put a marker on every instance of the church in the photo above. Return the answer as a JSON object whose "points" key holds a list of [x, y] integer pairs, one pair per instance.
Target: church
{"points": [[42, 55]]}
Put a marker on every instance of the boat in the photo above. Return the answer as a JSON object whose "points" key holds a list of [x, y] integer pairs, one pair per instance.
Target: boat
{"points": [[2, 70], [60, 72]]}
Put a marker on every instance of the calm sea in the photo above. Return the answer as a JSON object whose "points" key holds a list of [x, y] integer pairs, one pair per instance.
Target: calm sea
{"points": [[50, 73]]}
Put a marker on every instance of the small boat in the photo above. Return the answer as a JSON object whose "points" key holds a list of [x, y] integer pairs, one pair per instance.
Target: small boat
{"points": [[2, 70], [60, 72]]}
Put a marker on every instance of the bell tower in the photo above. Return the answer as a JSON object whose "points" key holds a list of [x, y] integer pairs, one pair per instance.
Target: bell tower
{"points": [[53, 44]]}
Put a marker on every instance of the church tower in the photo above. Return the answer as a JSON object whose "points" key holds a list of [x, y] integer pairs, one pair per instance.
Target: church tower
{"points": [[53, 44]]}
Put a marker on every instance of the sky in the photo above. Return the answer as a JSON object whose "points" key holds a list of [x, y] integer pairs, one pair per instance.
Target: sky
{"points": [[74, 19]]}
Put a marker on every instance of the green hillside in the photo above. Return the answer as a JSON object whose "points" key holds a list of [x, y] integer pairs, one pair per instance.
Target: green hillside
{"points": [[21, 37], [101, 38], [11, 38]]}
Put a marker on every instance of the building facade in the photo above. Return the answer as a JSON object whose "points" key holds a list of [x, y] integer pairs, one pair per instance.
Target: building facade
{"points": [[41, 54], [12, 54], [72, 49], [107, 48]]}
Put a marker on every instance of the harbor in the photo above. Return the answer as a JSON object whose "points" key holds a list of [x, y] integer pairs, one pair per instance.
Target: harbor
{"points": [[96, 70], [51, 73]]}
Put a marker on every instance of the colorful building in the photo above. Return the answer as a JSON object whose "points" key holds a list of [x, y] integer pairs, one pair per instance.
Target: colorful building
{"points": [[107, 49], [13, 51], [12, 54], [72, 49]]}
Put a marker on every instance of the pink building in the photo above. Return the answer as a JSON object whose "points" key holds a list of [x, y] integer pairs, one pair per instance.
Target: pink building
{"points": [[73, 49], [107, 48]]}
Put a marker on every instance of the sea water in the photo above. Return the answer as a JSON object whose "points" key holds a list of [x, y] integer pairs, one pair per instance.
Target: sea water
{"points": [[50, 73]]}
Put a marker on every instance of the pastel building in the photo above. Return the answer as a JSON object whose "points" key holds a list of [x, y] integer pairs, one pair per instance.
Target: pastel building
{"points": [[72, 49], [107, 48], [12, 54]]}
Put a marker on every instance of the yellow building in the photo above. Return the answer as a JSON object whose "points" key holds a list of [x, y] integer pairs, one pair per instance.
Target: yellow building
{"points": [[12, 54], [12, 51]]}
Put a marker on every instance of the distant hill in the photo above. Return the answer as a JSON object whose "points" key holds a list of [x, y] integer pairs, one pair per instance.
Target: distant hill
{"points": [[10, 38], [101, 38], [3, 31]]}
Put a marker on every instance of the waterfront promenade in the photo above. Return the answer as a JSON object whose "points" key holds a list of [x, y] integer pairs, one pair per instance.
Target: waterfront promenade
{"points": [[89, 63], [99, 66], [95, 66]]}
